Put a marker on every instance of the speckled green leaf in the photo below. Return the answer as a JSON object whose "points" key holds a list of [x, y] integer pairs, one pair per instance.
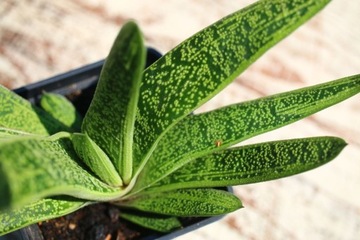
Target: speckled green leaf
{"points": [[197, 135], [18, 113], [158, 223], [32, 168], [201, 66], [5, 133], [186, 202], [111, 116], [60, 108], [95, 159], [253, 163], [39, 211]]}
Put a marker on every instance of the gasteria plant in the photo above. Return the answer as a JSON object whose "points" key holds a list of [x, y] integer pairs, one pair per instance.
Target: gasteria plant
{"points": [[139, 146]]}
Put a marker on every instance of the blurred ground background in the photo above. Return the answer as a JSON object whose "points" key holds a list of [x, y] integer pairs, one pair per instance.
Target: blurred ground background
{"points": [[40, 38]]}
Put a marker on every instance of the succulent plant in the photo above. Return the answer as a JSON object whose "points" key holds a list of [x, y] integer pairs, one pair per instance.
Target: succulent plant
{"points": [[140, 146]]}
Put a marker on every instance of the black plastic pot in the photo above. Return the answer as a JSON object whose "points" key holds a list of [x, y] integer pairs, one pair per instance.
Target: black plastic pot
{"points": [[79, 86]]}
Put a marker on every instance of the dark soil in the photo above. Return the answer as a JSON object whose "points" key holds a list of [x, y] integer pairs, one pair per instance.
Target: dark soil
{"points": [[98, 222]]}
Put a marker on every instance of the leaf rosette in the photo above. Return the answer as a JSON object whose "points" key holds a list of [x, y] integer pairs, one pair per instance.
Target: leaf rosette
{"points": [[140, 148]]}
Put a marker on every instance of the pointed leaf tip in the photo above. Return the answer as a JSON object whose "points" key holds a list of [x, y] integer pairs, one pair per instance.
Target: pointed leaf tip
{"points": [[253, 163], [203, 65]]}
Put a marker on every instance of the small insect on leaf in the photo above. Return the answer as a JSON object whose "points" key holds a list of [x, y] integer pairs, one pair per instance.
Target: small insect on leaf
{"points": [[218, 143]]}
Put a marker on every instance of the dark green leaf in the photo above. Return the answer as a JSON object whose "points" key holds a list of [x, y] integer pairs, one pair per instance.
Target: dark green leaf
{"points": [[95, 159], [158, 223], [39, 211], [60, 108], [32, 168], [186, 202], [111, 116], [253, 163], [201, 66], [18, 114], [197, 135]]}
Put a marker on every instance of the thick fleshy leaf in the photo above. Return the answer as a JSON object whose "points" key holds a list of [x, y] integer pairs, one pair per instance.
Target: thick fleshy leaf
{"points": [[60, 108], [19, 114], [32, 168], [253, 163], [158, 223], [111, 116], [186, 202], [41, 210], [200, 67], [197, 135], [5, 133], [92, 155]]}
